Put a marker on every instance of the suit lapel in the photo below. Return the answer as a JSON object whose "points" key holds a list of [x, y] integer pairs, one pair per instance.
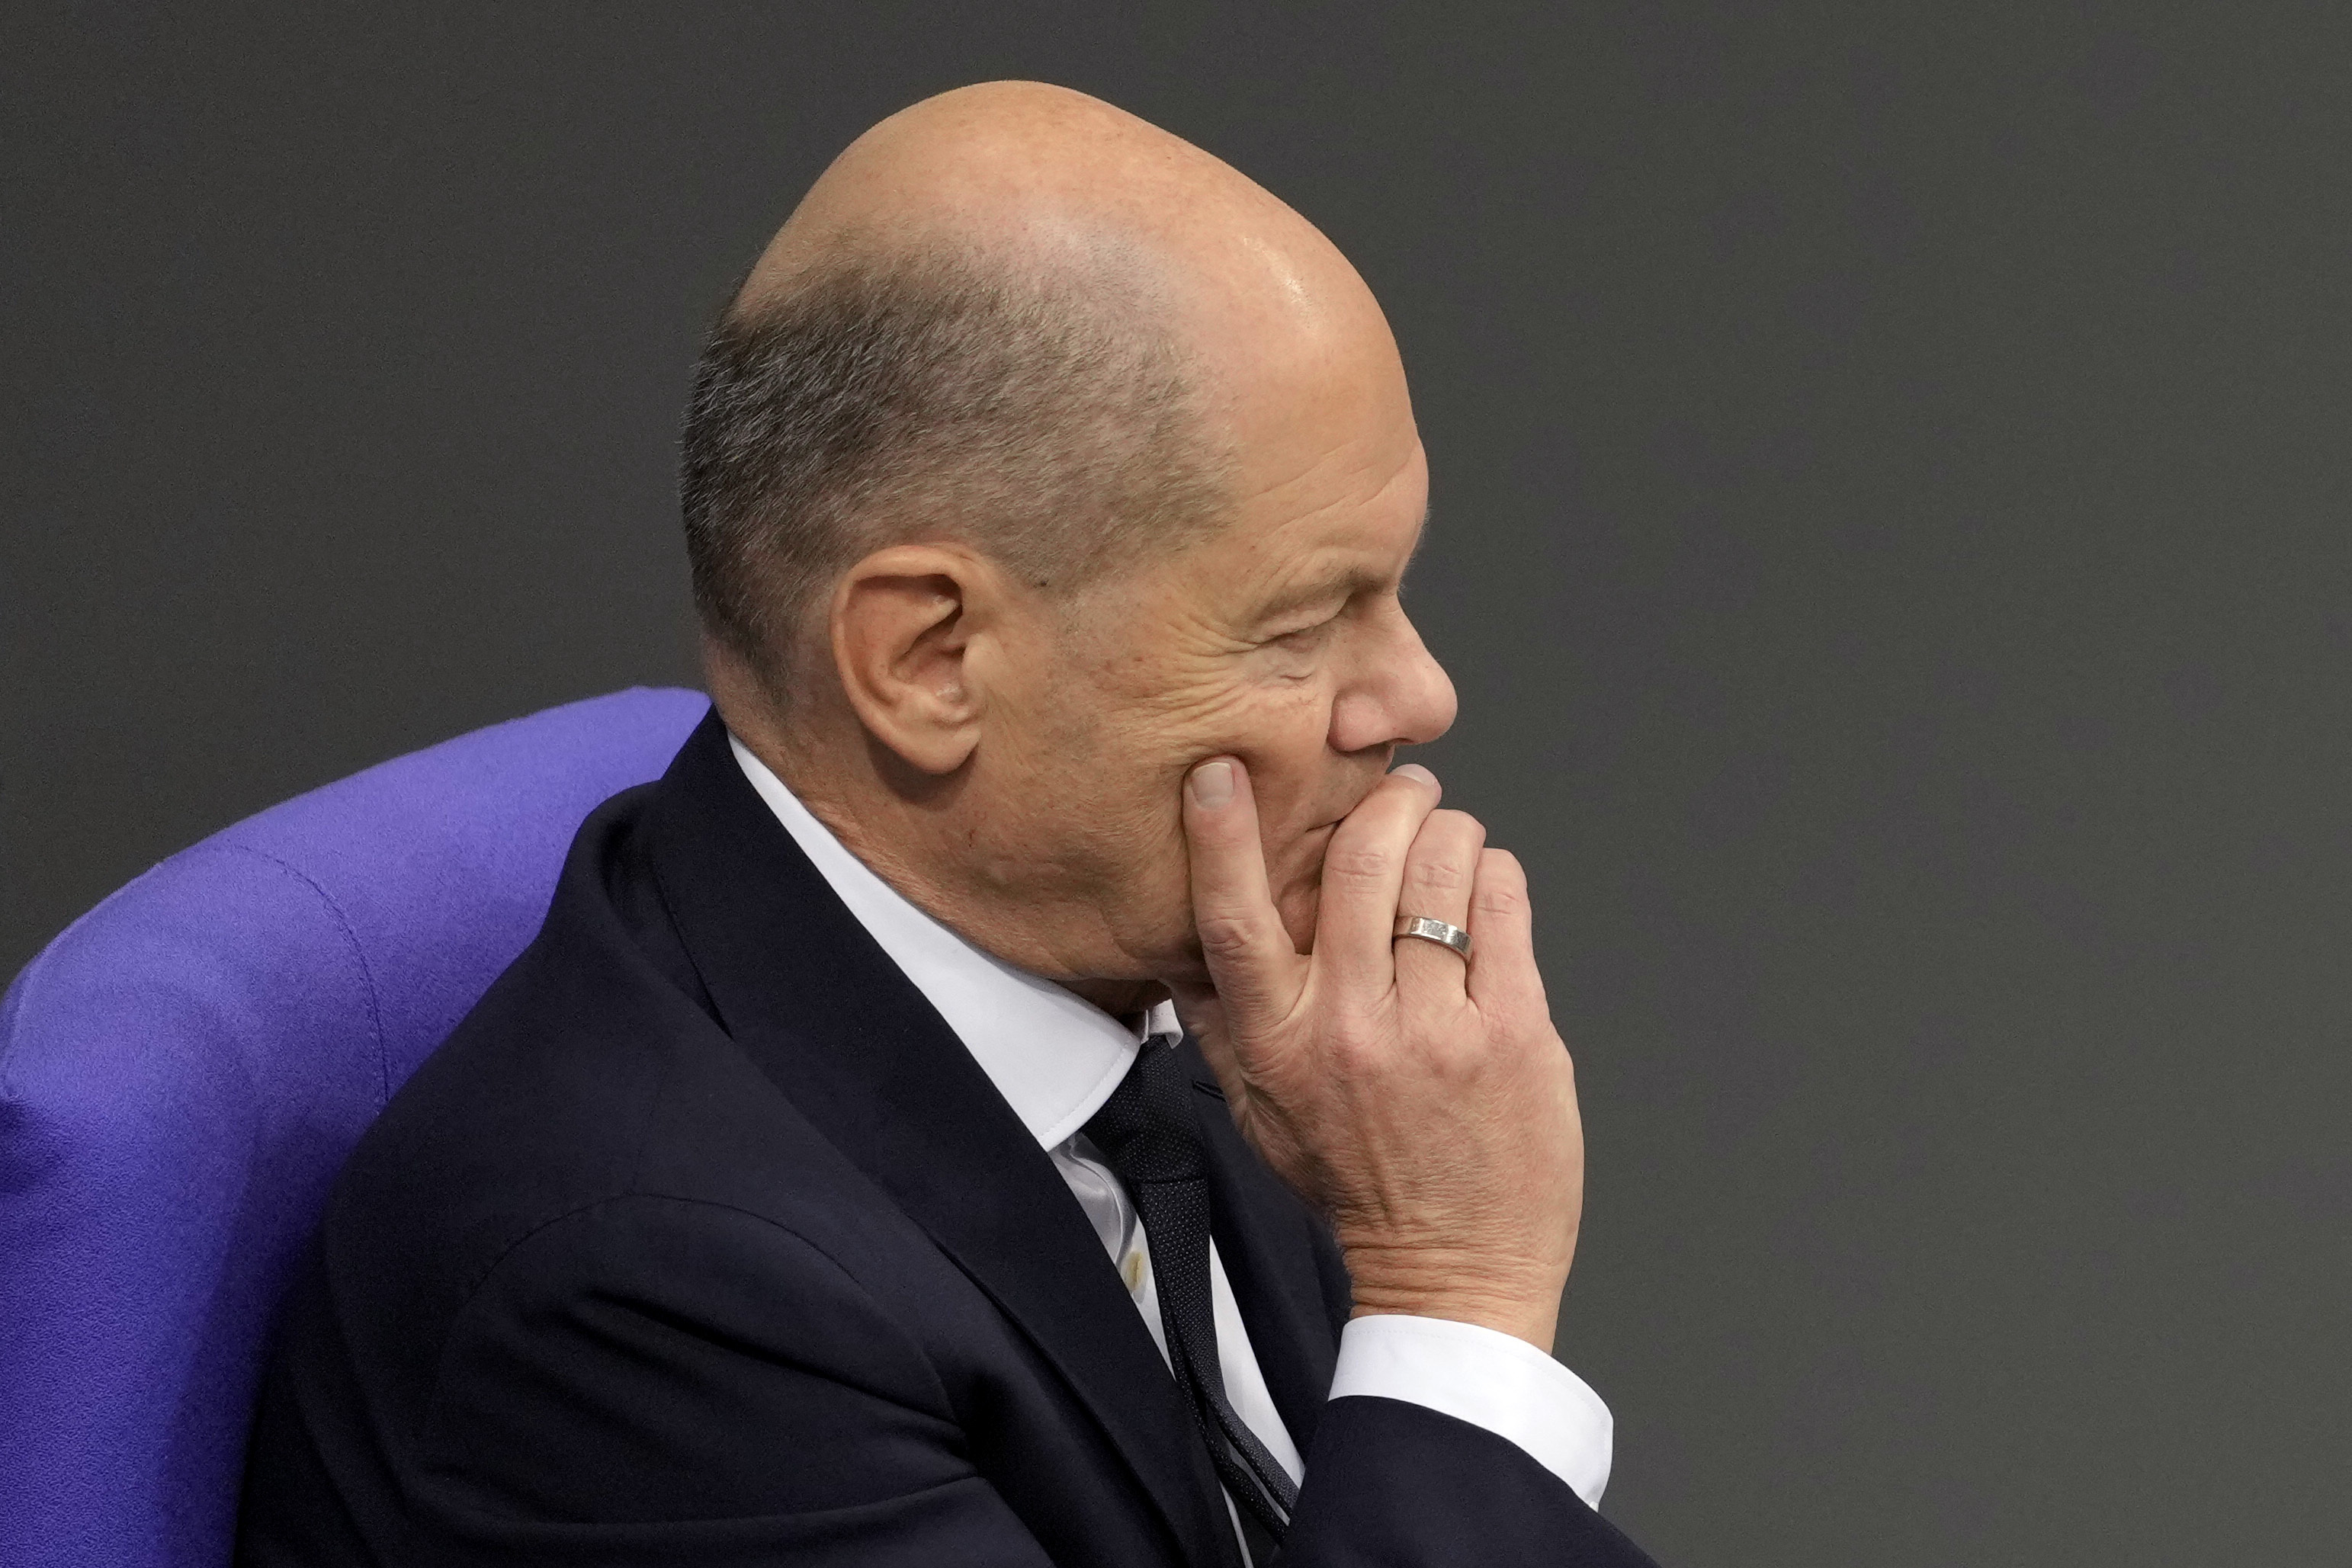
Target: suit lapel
{"points": [[845, 1036]]}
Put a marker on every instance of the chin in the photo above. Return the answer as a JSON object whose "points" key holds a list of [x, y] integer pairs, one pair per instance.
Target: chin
{"points": [[1297, 909], [1302, 893]]}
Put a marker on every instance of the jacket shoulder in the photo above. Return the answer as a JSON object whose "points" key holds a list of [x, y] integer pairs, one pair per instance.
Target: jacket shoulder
{"points": [[588, 1073]]}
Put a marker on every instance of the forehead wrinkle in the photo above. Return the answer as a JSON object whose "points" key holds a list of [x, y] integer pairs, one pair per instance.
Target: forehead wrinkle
{"points": [[1351, 504]]}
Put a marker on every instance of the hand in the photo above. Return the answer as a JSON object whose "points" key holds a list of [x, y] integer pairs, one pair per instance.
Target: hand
{"points": [[1426, 1106]]}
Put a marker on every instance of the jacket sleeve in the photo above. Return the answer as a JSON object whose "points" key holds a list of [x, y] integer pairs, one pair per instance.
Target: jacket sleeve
{"points": [[1396, 1485], [593, 1400]]}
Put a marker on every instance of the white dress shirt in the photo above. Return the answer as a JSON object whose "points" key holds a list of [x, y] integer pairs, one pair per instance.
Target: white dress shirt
{"points": [[1055, 1059]]}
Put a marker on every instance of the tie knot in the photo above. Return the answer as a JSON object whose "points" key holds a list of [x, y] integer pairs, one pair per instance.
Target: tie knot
{"points": [[1145, 1130]]}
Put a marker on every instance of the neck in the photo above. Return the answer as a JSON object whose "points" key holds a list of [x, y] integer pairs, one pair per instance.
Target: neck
{"points": [[898, 834]]}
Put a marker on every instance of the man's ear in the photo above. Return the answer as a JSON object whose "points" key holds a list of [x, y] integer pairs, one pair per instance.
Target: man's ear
{"points": [[903, 623]]}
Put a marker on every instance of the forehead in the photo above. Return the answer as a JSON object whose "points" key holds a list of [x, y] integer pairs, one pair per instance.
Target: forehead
{"points": [[1326, 477], [1351, 521]]}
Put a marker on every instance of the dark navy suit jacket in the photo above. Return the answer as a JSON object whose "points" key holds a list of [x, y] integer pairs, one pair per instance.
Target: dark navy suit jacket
{"points": [[704, 1241]]}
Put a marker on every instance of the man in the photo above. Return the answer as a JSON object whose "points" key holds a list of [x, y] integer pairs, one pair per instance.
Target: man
{"points": [[832, 1180]]}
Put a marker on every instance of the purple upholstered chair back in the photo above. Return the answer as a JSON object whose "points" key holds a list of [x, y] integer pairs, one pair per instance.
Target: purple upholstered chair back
{"points": [[183, 1072]]}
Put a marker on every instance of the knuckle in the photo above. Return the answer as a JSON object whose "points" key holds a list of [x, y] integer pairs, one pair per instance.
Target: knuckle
{"points": [[1502, 882], [1356, 1025], [1469, 827], [1357, 864], [1353, 1054], [1436, 875], [1225, 936], [1453, 1057], [1502, 899]]}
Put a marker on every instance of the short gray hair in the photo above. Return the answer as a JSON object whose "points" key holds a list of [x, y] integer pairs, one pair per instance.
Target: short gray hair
{"points": [[1046, 418]]}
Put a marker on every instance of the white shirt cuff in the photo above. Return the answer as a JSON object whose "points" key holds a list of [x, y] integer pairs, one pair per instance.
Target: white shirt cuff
{"points": [[1489, 1379]]}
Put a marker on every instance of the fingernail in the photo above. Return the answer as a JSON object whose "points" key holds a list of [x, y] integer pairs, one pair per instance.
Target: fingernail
{"points": [[1414, 770], [1212, 784]]}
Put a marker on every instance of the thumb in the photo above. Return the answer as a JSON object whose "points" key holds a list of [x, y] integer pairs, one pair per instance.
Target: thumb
{"points": [[1257, 971]]}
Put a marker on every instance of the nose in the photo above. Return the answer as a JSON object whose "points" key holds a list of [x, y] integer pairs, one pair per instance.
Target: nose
{"points": [[1403, 697]]}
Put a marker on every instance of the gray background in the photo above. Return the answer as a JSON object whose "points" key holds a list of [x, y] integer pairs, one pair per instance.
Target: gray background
{"points": [[1891, 471]]}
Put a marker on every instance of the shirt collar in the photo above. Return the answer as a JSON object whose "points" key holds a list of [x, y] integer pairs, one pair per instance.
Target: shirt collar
{"points": [[1054, 1056]]}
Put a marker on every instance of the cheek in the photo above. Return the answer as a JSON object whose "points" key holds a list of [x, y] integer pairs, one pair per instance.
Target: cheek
{"points": [[1280, 731], [1284, 737], [1154, 729]]}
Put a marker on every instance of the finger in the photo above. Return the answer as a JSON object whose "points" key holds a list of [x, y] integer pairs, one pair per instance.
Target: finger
{"points": [[1363, 871], [1440, 871], [1249, 956], [1503, 973]]}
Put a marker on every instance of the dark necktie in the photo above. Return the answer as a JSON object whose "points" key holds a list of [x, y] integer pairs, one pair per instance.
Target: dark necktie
{"points": [[1147, 1133]]}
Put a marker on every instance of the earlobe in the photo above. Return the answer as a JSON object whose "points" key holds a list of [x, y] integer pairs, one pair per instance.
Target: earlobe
{"points": [[902, 623]]}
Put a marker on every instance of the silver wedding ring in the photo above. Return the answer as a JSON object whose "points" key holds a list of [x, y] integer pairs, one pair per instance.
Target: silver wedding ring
{"points": [[1437, 931]]}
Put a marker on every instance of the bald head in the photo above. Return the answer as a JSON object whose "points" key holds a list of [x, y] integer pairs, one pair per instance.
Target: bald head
{"points": [[1038, 176], [1012, 316]]}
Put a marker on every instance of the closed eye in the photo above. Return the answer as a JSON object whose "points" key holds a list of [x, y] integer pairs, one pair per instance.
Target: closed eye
{"points": [[1306, 636]]}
